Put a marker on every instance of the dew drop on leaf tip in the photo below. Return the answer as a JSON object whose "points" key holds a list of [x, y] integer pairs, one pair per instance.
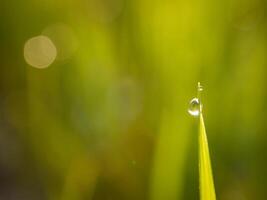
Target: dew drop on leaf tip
{"points": [[195, 106]]}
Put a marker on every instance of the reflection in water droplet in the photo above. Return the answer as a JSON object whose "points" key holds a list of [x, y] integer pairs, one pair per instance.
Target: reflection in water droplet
{"points": [[194, 107]]}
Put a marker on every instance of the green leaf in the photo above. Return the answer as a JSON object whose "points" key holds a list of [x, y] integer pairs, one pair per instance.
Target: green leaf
{"points": [[207, 190]]}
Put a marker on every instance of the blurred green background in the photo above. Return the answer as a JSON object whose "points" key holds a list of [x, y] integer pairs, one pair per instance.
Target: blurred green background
{"points": [[94, 97]]}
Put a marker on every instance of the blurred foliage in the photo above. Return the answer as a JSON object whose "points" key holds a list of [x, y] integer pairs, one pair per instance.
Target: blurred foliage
{"points": [[108, 118]]}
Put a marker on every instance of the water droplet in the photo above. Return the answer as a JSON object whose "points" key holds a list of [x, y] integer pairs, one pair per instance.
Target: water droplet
{"points": [[194, 107], [199, 87]]}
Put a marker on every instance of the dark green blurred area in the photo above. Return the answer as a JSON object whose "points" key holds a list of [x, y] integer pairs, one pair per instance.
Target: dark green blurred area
{"points": [[107, 119]]}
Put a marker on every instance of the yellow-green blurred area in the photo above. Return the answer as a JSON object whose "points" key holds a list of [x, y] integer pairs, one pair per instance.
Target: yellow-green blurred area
{"points": [[94, 97]]}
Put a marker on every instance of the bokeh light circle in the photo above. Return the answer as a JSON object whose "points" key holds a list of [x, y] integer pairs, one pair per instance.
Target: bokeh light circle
{"points": [[64, 39], [40, 52]]}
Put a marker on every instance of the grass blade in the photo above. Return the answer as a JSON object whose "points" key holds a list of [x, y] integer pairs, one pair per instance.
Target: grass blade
{"points": [[207, 190]]}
